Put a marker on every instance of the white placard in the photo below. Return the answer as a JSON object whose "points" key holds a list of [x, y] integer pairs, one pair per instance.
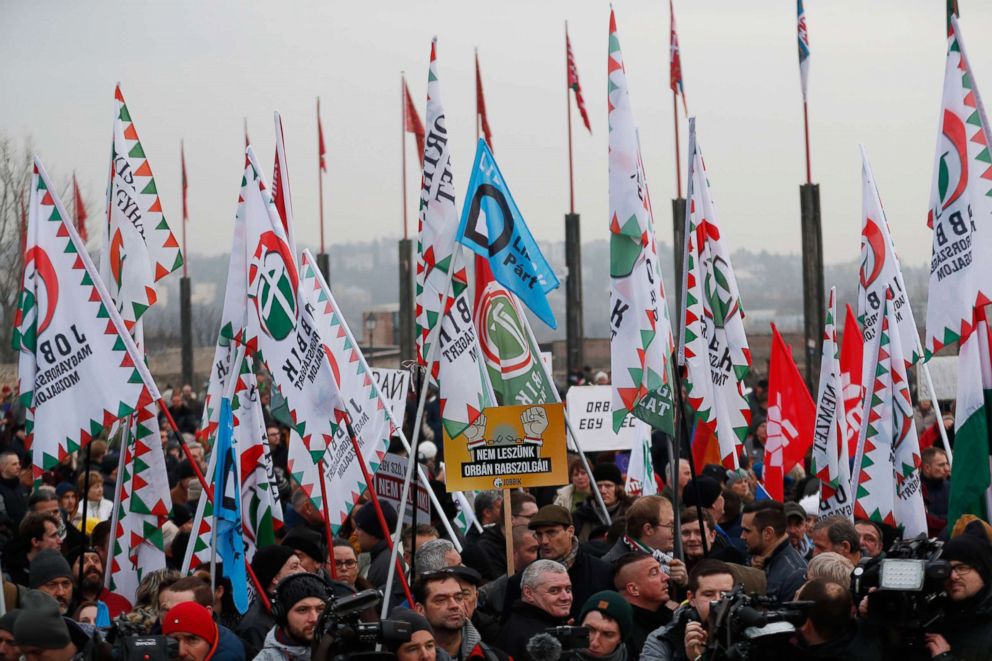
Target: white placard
{"points": [[389, 487], [394, 385], [588, 411], [944, 372]]}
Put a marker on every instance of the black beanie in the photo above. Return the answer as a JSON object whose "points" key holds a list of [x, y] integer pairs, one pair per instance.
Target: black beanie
{"points": [[972, 548], [306, 540], [48, 565], [40, 624], [8, 620], [702, 491], [416, 621], [297, 587], [268, 562], [607, 472], [368, 520]]}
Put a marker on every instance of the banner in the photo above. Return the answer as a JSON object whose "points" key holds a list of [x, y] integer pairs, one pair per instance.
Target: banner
{"points": [[944, 374], [394, 386], [507, 447], [389, 487], [588, 410]]}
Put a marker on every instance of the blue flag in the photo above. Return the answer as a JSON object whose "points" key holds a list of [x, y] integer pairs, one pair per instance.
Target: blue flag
{"points": [[227, 509], [493, 227]]}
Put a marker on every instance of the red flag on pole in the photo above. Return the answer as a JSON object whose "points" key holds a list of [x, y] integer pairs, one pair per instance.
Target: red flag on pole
{"points": [[80, 209], [247, 142], [24, 227], [791, 416], [411, 121], [480, 104], [675, 60], [852, 352], [321, 151], [185, 184], [573, 82]]}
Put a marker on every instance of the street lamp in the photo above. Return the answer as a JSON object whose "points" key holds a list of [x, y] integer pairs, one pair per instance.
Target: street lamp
{"points": [[370, 324]]}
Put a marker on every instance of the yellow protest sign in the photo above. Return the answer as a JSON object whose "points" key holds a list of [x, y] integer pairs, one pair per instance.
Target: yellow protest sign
{"points": [[508, 447]]}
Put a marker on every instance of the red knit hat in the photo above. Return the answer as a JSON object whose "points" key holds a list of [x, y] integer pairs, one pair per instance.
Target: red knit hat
{"points": [[190, 617]]}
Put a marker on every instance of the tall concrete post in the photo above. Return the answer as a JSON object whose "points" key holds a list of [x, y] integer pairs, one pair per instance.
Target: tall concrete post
{"points": [[813, 300], [324, 265], [186, 330], [407, 319], [573, 294]]}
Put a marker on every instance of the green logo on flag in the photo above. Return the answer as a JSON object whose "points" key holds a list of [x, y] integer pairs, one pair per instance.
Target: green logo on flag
{"points": [[272, 283]]}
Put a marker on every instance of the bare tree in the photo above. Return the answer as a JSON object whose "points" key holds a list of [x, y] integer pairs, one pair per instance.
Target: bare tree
{"points": [[15, 178]]}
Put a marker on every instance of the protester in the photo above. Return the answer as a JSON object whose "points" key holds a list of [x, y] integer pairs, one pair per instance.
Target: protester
{"points": [[440, 599], [643, 584], [650, 525], [487, 510], [492, 595], [97, 507], [609, 483], [869, 538], [830, 565], [488, 555], [546, 601], [37, 533], [578, 488], [372, 540], [829, 631], [308, 546], [196, 589], [51, 574], [8, 648], [609, 620], [92, 586], [837, 534], [271, 565], [764, 532], [40, 631], [346, 565], [421, 646], [190, 625], [935, 483], [300, 599], [707, 494], [14, 494], [436, 555], [797, 528]]}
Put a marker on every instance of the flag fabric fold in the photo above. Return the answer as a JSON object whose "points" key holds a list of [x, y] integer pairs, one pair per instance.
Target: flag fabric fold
{"points": [[79, 207], [675, 59], [411, 121], [480, 103], [493, 227], [641, 342], [791, 414], [803, 38], [573, 82], [830, 455], [713, 347], [282, 198], [886, 478], [227, 508], [851, 367], [321, 150]]}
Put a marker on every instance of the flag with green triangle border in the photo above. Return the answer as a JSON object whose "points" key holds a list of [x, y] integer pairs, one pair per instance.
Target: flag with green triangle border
{"points": [[641, 342], [880, 268], [437, 222], [886, 478], [367, 409], [971, 488], [79, 369], [139, 247], [830, 461], [281, 330], [960, 211], [713, 347]]}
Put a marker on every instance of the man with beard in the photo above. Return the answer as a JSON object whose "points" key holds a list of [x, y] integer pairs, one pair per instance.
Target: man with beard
{"points": [[300, 601], [91, 588], [439, 598], [50, 573]]}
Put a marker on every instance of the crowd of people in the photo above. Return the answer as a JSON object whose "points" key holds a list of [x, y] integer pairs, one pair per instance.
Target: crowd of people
{"points": [[621, 580]]}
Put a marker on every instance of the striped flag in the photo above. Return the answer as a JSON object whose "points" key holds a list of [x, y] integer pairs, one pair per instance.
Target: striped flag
{"points": [[480, 104], [321, 150], [803, 46], [80, 209], [411, 121], [675, 60], [573, 82]]}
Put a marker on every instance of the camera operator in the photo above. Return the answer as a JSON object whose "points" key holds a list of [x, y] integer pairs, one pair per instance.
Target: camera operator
{"points": [[965, 632], [299, 601], [764, 531], [421, 646], [684, 638], [829, 631], [193, 627], [546, 602], [440, 600], [609, 620]]}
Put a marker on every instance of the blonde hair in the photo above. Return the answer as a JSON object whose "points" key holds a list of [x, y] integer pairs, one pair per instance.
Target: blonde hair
{"points": [[832, 566]]}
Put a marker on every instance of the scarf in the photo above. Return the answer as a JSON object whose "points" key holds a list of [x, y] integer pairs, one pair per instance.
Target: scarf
{"points": [[569, 558]]}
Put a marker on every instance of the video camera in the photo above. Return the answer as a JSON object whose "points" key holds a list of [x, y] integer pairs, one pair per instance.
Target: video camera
{"points": [[341, 632], [908, 595], [126, 641], [558, 643], [743, 626]]}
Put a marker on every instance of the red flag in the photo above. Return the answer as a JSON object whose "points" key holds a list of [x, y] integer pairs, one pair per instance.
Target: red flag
{"points": [[852, 352], [321, 151], [411, 121], [80, 209], [247, 142], [791, 417], [573, 82], [185, 183], [480, 104], [675, 60], [282, 199]]}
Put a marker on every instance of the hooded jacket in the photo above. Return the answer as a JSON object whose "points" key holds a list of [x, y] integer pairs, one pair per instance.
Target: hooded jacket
{"points": [[276, 650]]}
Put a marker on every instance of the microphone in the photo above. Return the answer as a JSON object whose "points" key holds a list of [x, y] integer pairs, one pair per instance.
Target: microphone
{"points": [[544, 647]]}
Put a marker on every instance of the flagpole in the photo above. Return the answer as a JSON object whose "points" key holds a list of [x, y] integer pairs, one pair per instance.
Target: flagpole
{"points": [[320, 183], [809, 176], [477, 121], [568, 114], [182, 186], [678, 158], [403, 147], [327, 520], [115, 516]]}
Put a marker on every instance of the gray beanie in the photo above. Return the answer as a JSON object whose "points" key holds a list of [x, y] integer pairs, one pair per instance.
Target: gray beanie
{"points": [[48, 565], [40, 624]]}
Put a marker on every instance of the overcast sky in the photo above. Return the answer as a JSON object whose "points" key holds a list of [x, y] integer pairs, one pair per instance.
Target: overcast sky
{"points": [[194, 70]]}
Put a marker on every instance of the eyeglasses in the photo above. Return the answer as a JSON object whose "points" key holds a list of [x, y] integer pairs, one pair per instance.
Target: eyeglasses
{"points": [[345, 564], [961, 570]]}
